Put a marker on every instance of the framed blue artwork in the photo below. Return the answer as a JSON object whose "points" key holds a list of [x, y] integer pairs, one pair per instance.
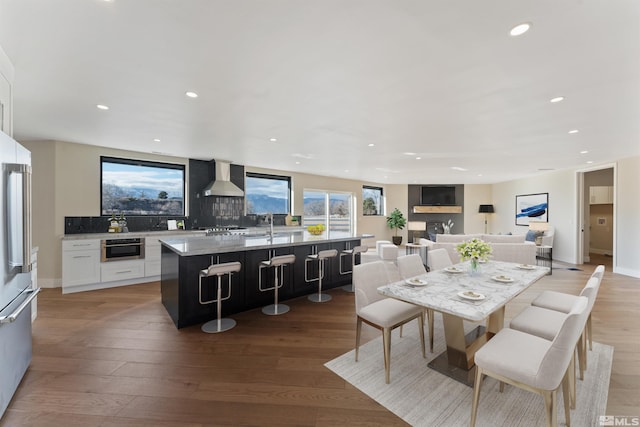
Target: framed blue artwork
{"points": [[532, 207]]}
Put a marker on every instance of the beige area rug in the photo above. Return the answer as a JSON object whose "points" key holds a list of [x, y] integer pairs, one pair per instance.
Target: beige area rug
{"points": [[424, 397]]}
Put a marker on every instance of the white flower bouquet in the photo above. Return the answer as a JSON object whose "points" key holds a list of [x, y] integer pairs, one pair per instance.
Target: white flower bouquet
{"points": [[474, 250]]}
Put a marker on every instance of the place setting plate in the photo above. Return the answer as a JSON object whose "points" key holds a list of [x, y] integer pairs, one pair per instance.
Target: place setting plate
{"points": [[416, 282], [502, 279], [471, 295], [526, 267], [453, 270]]}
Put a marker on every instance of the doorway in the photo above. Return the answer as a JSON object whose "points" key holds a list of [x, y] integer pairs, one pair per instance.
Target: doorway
{"points": [[598, 218]]}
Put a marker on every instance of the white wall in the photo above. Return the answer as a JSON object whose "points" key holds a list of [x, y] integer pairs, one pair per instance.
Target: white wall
{"points": [[563, 190], [561, 187], [627, 217], [474, 196]]}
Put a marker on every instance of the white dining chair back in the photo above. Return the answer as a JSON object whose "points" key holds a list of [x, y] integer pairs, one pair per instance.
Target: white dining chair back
{"points": [[367, 278], [437, 259], [411, 266]]}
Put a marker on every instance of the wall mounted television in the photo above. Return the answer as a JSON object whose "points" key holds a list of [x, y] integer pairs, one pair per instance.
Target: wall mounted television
{"points": [[438, 195]]}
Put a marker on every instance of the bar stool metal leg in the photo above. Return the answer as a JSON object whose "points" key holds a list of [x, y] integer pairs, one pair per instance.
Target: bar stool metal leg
{"points": [[277, 263], [353, 252], [219, 324], [322, 257]]}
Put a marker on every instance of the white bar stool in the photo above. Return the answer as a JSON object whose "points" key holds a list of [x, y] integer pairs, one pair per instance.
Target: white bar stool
{"points": [[321, 257], [351, 252], [219, 270], [275, 262]]}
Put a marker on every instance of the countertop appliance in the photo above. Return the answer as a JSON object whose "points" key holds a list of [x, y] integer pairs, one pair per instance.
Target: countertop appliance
{"points": [[16, 292]]}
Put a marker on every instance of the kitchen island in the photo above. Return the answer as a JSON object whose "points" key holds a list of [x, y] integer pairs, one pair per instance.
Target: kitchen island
{"points": [[184, 257]]}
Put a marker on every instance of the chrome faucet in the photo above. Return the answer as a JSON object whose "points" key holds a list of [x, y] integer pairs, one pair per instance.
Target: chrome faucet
{"points": [[269, 218]]}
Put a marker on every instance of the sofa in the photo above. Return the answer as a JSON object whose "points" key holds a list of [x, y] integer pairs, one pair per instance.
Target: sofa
{"points": [[505, 247]]}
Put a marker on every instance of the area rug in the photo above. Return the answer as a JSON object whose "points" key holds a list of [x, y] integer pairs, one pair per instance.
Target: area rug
{"points": [[424, 397]]}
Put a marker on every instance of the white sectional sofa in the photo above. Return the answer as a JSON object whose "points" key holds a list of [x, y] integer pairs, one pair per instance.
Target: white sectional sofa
{"points": [[505, 247]]}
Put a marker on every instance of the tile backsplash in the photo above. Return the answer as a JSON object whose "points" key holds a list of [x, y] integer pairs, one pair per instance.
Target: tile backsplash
{"points": [[100, 224]]}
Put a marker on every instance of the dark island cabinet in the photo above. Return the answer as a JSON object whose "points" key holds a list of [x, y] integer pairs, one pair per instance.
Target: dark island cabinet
{"points": [[182, 291], [179, 281], [253, 296]]}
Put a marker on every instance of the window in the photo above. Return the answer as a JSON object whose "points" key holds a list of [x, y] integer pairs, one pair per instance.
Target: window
{"points": [[372, 201], [333, 210], [267, 194], [140, 187]]}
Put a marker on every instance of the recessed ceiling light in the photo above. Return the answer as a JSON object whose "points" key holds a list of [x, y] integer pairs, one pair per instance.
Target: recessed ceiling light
{"points": [[346, 170], [584, 152], [573, 131], [458, 168], [102, 107], [156, 140], [191, 94], [479, 174], [371, 145], [520, 29], [418, 158], [589, 162], [409, 153], [273, 139], [557, 99], [297, 163]]}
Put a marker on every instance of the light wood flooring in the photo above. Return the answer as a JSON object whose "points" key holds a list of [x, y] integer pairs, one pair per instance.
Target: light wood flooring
{"points": [[114, 358]]}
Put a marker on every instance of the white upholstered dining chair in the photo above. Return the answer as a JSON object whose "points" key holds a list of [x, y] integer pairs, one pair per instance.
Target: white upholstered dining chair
{"points": [[411, 266], [532, 363], [379, 311]]}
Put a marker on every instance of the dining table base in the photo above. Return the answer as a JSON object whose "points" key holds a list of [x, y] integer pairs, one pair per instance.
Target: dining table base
{"points": [[457, 361]]}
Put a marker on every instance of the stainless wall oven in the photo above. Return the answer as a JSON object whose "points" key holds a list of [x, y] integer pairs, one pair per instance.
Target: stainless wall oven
{"points": [[121, 249]]}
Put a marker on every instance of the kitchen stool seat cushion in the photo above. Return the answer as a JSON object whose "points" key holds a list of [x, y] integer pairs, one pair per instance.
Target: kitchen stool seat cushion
{"points": [[389, 312], [538, 321]]}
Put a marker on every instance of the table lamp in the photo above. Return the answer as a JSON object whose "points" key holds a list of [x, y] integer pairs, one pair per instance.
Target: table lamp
{"points": [[416, 226], [485, 209], [540, 227]]}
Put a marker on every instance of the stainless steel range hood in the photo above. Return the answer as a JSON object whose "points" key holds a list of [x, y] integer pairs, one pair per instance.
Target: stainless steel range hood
{"points": [[222, 185]]}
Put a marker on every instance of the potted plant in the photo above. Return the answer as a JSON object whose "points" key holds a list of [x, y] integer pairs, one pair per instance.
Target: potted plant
{"points": [[396, 221]]}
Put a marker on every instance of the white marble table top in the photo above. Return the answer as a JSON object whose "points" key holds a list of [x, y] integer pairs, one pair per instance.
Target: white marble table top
{"points": [[441, 291]]}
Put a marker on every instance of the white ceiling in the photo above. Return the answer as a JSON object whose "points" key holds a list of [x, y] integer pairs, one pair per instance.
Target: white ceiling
{"points": [[442, 79]]}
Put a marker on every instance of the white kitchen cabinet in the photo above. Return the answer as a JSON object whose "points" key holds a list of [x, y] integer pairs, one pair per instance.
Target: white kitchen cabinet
{"points": [[80, 263], [152, 256], [121, 270], [600, 195]]}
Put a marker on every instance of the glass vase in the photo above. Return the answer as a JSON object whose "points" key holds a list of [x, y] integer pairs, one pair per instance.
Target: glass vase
{"points": [[474, 267]]}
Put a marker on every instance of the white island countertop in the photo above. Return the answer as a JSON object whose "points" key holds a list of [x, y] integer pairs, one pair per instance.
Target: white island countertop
{"points": [[203, 245]]}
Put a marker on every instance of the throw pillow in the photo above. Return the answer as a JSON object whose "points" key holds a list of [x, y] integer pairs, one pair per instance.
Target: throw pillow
{"points": [[531, 235]]}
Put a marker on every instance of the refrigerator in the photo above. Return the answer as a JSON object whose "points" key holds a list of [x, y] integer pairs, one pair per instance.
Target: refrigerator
{"points": [[16, 292]]}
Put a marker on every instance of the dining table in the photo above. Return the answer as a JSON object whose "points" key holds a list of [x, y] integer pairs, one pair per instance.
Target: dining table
{"points": [[460, 295]]}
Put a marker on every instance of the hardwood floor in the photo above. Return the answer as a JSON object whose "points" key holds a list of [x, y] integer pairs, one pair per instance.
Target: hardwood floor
{"points": [[114, 358]]}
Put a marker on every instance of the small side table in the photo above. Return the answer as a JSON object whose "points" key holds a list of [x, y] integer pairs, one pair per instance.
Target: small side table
{"points": [[416, 248], [544, 256]]}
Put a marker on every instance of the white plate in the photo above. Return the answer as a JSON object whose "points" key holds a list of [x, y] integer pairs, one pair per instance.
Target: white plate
{"points": [[453, 270], [416, 282], [504, 279], [470, 295], [527, 266]]}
